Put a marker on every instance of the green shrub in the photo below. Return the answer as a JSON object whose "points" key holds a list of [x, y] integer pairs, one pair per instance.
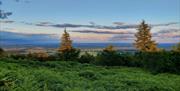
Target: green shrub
{"points": [[117, 59], [69, 55], [27, 75], [86, 58], [2, 52], [88, 74], [18, 56], [108, 58], [159, 62]]}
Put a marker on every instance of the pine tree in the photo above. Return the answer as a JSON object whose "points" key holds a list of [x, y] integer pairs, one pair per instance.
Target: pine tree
{"points": [[144, 40], [66, 50], [109, 48], [109, 56], [177, 47], [66, 42]]}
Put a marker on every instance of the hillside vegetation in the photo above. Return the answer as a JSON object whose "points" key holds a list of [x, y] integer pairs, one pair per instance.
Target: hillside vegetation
{"points": [[27, 75]]}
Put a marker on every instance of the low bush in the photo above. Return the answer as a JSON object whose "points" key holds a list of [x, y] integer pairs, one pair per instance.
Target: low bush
{"points": [[18, 56], [158, 62], [69, 55], [88, 74], [86, 58], [2, 53], [117, 59]]}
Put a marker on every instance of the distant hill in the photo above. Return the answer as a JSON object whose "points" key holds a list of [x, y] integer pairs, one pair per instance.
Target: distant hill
{"points": [[16, 40], [80, 45]]}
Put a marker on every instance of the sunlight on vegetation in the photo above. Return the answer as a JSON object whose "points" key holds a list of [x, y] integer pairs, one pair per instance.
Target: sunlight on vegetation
{"points": [[144, 67], [72, 76]]}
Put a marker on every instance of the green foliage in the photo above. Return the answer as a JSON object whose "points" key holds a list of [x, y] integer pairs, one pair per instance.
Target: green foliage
{"points": [[159, 62], [156, 62], [27, 75], [144, 40], [18, 56], [86, 58], [40, 56], [88, 74], [69, 55], [114, 58], [177, 47], [108, 58], [1, 52]]}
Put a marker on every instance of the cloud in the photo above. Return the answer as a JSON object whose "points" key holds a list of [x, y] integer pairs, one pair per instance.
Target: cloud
{"points": [[16, 0], [102, 32], [123, 37], [7, 21], [86, 26], [4, 15], [24, 1], [176, 36], [92, 23], [13, 38], [162, 36], [165, 24], [168, 31], [118, 23], [68, 25], [45, 24], [27, 23]]}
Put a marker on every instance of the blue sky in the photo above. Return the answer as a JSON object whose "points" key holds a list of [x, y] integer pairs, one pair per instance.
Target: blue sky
{"points": [[53, 15], [100, 11]]}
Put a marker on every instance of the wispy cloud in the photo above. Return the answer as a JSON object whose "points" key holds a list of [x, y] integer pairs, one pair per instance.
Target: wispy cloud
{"points": [[169, 31], [27, 23], [165, 24], [123, 37], [24, 1], [21, 38], [103, 32], [86, 26], [117, 25], [4, 15], [6, 21]]}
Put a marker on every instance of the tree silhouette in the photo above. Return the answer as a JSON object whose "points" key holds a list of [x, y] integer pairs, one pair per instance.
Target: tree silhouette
{"points": [[144, 40]]}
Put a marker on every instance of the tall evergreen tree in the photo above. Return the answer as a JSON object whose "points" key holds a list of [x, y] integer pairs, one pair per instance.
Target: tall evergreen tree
{"points": [[66, 50], [177, 47], [144, 40], [66, 42], [109, 48]]}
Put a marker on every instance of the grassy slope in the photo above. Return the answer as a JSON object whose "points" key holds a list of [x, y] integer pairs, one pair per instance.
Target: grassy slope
{"points": [[72, 76]]}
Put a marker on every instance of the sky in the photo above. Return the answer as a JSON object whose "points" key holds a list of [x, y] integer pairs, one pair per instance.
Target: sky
{"points": [[90, 20]]}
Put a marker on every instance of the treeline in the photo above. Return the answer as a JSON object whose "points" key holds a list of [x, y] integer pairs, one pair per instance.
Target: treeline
{"points": [[148, 55], [156, 62]]}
